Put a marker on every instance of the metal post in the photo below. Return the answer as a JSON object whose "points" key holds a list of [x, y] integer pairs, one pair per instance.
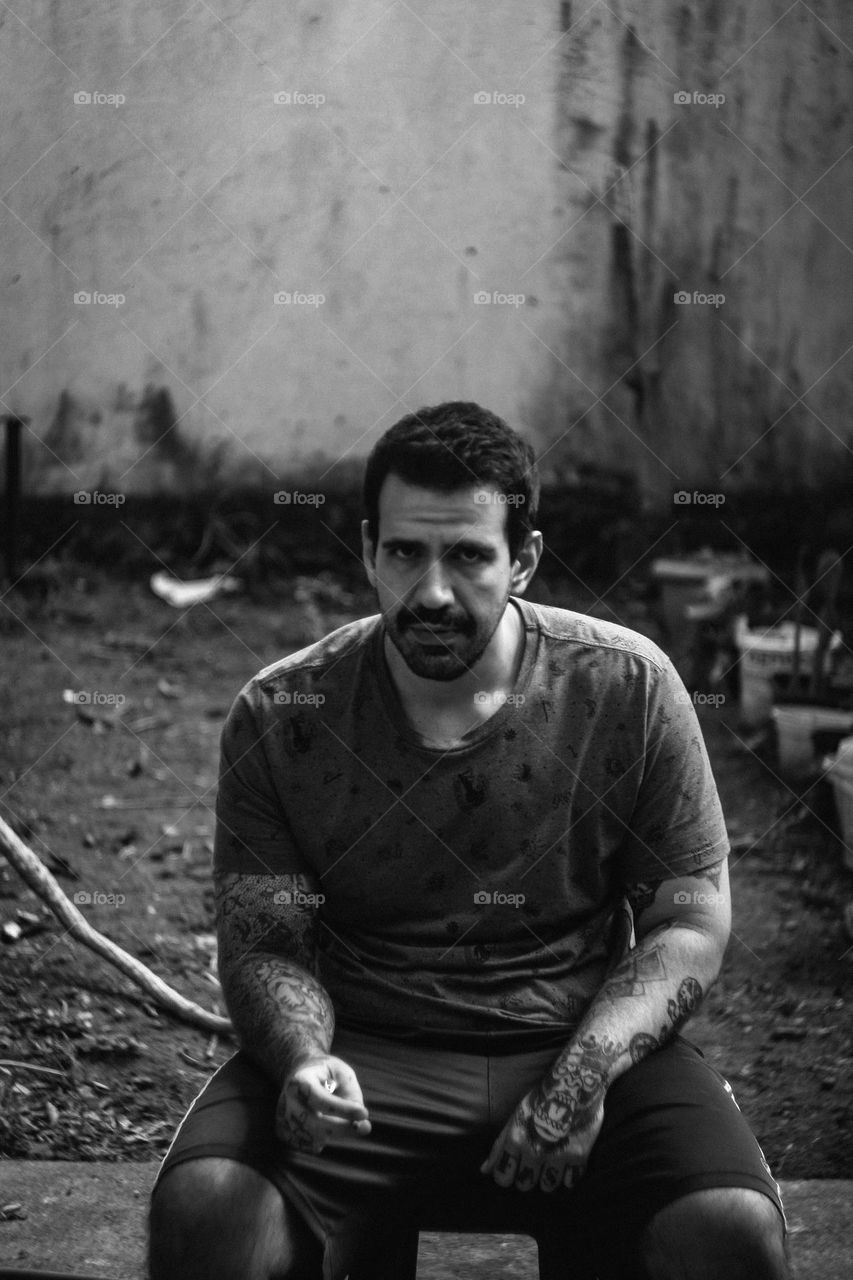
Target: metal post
{"points": [[13, 490]]}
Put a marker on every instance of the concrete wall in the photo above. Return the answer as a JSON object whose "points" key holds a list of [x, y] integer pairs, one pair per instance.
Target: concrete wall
{"points": [[385, 186]]}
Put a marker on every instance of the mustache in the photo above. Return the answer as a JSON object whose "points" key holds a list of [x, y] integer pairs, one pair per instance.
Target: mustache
{"points": [[442, 618]]}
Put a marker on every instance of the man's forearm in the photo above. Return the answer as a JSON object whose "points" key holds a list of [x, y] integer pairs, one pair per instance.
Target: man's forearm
{"points": [[651, 993], [281, 1013]]}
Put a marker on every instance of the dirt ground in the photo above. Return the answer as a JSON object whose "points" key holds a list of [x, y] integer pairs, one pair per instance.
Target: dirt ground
{"points": [[118, 802]]}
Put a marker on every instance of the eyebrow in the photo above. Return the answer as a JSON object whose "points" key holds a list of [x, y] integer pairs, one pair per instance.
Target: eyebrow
{"points": [[459, 544]]}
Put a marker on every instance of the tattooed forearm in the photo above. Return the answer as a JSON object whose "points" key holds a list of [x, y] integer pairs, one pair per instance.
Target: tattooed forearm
{"points": [[640, 967], [572, 1091], [267, 967], [640, 1006]]}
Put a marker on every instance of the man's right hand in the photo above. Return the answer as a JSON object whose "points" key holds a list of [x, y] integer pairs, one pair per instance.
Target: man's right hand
{"points": [[320, 1099]]}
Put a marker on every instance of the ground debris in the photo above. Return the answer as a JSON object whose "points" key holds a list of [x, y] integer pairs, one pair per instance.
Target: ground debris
{"points": [[111, 1046]]}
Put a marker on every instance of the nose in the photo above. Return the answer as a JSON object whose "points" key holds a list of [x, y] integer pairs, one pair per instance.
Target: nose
{"points": [[434, 590]]}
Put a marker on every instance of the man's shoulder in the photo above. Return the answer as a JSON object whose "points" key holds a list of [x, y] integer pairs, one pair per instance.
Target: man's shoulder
{"points": [[335, 651], [564, 628]]}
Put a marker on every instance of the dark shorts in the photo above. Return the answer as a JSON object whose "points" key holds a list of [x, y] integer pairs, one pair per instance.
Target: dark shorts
{"points": [[671, 1126]]}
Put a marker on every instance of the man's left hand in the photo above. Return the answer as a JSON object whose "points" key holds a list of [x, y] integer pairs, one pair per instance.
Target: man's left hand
{"points": [[538, 1147]]}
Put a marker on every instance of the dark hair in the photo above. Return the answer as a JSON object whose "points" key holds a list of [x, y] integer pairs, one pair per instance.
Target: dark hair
{"points": [[455, 446]]}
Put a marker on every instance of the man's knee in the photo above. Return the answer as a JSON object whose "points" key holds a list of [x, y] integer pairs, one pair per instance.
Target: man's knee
{"points": [[213, 1217], [722, 1233]]}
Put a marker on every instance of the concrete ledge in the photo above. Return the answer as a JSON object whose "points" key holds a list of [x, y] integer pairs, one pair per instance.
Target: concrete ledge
{"points": [[90, 1219]]}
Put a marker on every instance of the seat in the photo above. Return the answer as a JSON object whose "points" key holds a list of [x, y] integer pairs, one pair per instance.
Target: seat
{"points": [[528, 1213]]}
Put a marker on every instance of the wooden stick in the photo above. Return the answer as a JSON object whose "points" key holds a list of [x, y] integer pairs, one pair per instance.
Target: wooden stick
{"points": [[43, 884]]}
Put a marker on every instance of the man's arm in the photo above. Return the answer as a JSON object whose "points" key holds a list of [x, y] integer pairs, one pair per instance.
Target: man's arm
{"points": [[681, 926], [281, 1013], [267, 941]]}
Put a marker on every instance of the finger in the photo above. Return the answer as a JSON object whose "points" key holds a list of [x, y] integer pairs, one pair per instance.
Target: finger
{"points": [[491, 1160], [527, 1176], [551, 1176], [317, 1099], [345, 1083], [505, 1168], [572, 1174]]}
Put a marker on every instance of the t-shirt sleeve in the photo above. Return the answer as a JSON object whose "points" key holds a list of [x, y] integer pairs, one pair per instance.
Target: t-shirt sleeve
{"points": [[252, 834], [677, 826]]}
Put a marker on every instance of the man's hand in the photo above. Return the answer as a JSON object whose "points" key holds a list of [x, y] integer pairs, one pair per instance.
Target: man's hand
{"points": [[538, 1146], [320, 1099]]}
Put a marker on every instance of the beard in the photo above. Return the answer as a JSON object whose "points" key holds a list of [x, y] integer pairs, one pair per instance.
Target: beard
{"points": [[440, 644]]}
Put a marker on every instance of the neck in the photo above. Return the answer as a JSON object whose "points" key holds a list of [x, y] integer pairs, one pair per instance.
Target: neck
{"points": [[496, 669]]}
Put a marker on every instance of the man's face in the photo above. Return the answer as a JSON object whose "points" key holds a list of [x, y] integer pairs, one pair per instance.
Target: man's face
{"points": [[442, 572]]}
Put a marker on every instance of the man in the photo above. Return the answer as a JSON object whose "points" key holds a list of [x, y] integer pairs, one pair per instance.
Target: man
{"points": [[471, 879]]}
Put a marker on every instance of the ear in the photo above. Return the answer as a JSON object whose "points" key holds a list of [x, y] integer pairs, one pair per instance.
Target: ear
{"points": [[368, 554], [525, 563]]}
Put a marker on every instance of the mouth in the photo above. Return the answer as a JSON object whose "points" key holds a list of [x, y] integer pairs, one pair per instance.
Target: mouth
{"points": [[435, 634]]}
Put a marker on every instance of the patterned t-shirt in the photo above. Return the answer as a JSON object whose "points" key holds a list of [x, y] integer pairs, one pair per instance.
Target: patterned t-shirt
{"points": [[479, 889]]}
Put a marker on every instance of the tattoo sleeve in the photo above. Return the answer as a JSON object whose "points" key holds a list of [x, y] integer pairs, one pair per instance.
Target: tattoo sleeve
{"points": [[643, 1002], [267, 967]]}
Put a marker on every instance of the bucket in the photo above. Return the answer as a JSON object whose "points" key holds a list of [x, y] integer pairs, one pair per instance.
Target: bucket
{"points": [[764, 654], [794, 729], [840, 774]]}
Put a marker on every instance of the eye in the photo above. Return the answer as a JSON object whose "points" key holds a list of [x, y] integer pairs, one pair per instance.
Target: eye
{"points": [[469, 556]]}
